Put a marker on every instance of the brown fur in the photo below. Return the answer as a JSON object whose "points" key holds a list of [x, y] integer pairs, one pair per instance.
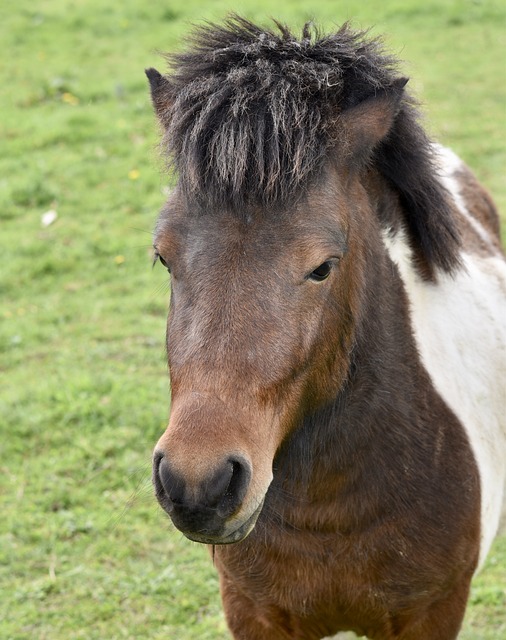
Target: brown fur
{"points": [[366, 520]]}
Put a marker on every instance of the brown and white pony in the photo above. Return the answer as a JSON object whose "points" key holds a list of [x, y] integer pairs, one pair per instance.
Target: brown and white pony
{"points": [[336, 339]]}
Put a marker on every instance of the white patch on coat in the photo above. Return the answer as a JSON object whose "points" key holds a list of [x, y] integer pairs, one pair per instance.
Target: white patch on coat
{"points": [[460, 327], [450, 164]]}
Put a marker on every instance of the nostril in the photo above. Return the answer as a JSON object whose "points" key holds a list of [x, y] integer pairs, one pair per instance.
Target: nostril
{"points": [[167, 484], [237, 487], [218, 485]]}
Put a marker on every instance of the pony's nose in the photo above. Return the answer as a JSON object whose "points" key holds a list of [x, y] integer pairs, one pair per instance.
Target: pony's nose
{"points": [[222, 491]]}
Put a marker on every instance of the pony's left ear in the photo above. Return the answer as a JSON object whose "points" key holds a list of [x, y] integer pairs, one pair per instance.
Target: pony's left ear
{"points": [[160, 94], [366, 124]]}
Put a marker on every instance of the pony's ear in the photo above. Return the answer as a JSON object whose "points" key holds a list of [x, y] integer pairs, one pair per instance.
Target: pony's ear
{"points": [[366, 124], [160, 94]]}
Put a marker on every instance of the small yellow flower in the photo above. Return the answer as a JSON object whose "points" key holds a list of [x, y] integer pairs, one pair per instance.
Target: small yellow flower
{"points": [[70, 98], [134, 174], [119, 259]]}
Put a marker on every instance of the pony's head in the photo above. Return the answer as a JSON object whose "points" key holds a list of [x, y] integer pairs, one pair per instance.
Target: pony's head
{"points": [[272, 241]]}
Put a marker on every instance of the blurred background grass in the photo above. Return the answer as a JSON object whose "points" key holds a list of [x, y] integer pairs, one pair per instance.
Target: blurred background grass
{"points": [[84, 550]]}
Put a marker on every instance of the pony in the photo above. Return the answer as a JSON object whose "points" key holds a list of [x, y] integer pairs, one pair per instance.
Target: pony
{"points": [[336, 338]]}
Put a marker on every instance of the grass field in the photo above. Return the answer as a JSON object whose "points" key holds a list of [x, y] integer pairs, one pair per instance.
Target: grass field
{"points": [[84, 550]]}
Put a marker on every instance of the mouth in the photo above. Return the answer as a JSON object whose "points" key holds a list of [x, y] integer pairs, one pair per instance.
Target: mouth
{"points": [[230, 538]]}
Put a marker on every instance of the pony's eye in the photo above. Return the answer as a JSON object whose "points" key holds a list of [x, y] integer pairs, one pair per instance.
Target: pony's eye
{"points": [[159, 257], [322, 272]]}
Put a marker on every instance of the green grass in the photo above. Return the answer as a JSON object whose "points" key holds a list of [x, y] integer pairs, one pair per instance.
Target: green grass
{"points": [[84, 550]]}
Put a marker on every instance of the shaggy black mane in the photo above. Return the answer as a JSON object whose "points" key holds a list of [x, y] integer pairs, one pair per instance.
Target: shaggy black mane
{"points": [[250, 116]]}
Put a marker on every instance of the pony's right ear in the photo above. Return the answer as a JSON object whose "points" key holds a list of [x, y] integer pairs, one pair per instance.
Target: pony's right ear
{"points": [[160, 94]]}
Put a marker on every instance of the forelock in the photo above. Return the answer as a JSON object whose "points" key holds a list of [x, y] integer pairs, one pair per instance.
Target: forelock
{"points": [[252, 111]]}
